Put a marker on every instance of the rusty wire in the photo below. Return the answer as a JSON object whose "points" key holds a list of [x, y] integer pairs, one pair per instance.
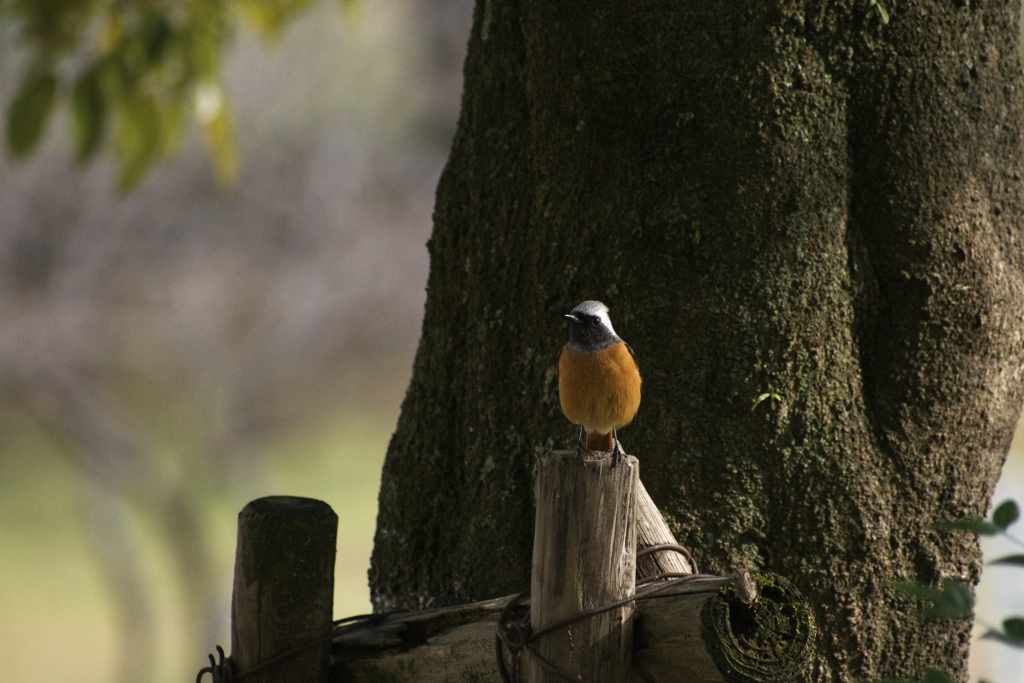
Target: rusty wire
{"points": [[221, 670], [515, 635], [224, 669], [682, 550], [518, 635]]}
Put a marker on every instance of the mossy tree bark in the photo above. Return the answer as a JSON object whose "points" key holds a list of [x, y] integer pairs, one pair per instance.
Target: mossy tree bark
{"points": [[779, 198]]}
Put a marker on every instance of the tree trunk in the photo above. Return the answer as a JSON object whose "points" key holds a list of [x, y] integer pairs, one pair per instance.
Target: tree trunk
{"points": [[797, 204]]}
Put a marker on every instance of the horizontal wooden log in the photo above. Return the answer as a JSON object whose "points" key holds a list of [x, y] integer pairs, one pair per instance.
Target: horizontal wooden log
{"points": [[752, 628], [756, 629], [447, 644]]}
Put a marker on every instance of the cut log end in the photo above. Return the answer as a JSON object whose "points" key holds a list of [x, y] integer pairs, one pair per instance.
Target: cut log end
{"points": [[759, 629]]}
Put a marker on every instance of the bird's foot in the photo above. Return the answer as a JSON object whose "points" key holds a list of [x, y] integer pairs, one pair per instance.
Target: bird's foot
{"points": [[616, 449]]}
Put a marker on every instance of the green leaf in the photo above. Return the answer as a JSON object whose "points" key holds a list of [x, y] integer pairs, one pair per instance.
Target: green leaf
{"points": [[88, 114], [139, 139], [214, 116], [219, 136], [155, 36], [269, 17], [917, 590], [1006, 514], [760, 399], [1012, 633], [29, 113], [936, 676], [957, 602], [1009, 559], [953, 601], [1014, 627], [976, 526], [876, 9]]}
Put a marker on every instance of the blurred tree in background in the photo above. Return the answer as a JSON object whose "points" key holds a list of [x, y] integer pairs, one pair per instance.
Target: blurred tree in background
{"points": [[164, 340]]}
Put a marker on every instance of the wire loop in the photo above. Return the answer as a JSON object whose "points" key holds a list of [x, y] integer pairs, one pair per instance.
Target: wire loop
{"points": [[518, 635], [221, 670]]}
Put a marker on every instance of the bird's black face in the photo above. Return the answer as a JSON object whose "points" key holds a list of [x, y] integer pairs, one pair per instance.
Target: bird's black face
{"points": [[589, 331]]}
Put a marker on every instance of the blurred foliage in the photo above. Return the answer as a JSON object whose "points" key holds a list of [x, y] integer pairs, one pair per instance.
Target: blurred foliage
{"points": [[955, 600], [131, 73]]}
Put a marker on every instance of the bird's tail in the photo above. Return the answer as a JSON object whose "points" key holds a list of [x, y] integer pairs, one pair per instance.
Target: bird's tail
{"points": [[599, 442]]}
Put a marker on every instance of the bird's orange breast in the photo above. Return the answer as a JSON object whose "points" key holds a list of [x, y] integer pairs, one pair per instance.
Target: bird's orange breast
{"points": [[599, 390]]}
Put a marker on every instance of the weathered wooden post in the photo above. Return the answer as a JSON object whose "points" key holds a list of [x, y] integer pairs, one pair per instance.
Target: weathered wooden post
{"points": [[652, 531], [281, 609], [584, 557]]}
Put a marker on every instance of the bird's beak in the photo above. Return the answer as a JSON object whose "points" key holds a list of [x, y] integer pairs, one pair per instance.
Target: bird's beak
{"points": [[570, 316]]}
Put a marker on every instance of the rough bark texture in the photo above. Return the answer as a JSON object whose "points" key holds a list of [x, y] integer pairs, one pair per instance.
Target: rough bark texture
{"points": [[774, 198]]}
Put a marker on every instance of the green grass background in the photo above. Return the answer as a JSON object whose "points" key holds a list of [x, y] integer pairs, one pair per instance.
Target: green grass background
{"points": [[56, 622]]}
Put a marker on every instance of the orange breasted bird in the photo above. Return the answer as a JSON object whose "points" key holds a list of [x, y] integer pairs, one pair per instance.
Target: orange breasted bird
{"points": [[598, 379]]}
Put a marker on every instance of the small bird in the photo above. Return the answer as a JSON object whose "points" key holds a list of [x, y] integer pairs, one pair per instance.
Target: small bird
{"points": [[598, 379]]}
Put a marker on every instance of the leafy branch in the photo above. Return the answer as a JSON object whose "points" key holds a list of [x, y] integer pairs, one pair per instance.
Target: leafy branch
{"points": [[954, 599], [133, 72]]}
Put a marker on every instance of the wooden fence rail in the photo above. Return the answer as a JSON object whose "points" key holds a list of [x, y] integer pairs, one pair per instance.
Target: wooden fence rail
{"points": [[648, 616]]}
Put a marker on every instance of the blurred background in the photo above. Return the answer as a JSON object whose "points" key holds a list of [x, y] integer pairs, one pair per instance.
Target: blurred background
{"points": [[170, 354]]}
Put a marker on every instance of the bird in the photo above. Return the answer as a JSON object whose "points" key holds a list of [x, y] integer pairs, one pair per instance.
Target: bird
{"points": [[598, 379]]}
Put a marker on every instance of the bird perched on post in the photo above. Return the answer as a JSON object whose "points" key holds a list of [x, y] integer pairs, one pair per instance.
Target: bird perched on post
{"points": [[598, 379]]}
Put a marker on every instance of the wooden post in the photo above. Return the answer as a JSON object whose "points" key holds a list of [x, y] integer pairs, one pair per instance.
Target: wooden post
{"points": [[284, 590], [584, 557], [651, 530]]}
